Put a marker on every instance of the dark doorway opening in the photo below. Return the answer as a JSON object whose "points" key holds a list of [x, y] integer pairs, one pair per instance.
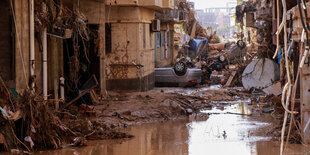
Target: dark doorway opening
{"points": [[81, 61], [7, 66]]}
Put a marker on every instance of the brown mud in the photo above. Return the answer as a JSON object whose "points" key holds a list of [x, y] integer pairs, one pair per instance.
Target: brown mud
{"points": [[174, 121], [233, 127]]}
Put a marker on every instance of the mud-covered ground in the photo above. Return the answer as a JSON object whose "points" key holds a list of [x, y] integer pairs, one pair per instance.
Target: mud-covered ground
{"points": [[134, 108], [230, 118], [121, 110]]}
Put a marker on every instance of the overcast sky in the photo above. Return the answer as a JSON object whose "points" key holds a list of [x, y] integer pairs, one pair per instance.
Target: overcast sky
{"points": [[201, 4]]}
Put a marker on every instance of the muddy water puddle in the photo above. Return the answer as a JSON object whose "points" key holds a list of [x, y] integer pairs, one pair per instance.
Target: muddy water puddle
{"points": [[231, 130], [186, 91]]}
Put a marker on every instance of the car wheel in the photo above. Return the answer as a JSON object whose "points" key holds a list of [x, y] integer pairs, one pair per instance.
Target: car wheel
{"points": [[180, 68], [222, 58], [240, 44]]}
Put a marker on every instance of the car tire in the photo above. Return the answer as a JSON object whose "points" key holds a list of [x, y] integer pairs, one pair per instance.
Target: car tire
{"points": [[240, 44], [180, 68]]}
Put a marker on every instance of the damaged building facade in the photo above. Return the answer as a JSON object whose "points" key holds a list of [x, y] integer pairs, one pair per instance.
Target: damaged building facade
{"points": [[137, 41], [59, 45], [72, 71], [129, 44], [47, 45], [165, 48]]}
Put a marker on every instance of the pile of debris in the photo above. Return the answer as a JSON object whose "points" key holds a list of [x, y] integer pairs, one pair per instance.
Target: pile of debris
{"points": [[29, 123], [220, 61]]}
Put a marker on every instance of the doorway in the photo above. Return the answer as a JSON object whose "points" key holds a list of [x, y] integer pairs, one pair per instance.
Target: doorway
{"points": [[81, 61], [7, 68]]}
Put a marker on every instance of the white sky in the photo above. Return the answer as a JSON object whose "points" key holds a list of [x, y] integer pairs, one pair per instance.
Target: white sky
{"points": [[202, 4]]}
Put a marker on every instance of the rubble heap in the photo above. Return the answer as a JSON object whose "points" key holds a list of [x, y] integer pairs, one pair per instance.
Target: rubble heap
{"points": [[30, 123]]}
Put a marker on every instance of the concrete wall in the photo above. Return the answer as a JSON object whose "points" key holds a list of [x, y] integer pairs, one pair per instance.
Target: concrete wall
{"points": [[22, 48], [21, 44], [130, 65], [125, 45], [129, 14], [152, 4]]}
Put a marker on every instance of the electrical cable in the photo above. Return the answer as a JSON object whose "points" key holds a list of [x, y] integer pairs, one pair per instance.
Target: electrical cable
{"points": [[306, 14], [306, 52], [303, 22], [288, 88]]}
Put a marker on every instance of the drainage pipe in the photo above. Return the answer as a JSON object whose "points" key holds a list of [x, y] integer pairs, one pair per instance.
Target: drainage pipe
{"points": [[32, 47], [62, 89], [44, 60]]}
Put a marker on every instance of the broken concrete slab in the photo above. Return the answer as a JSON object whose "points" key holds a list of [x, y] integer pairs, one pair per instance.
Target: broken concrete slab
{"points": [[260, 73], [274, 89]]}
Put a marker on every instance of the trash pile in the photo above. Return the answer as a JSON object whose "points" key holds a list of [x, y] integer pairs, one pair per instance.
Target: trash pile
{"points": [[29, 123], [231, 62], [219, 60], [214, 59]]}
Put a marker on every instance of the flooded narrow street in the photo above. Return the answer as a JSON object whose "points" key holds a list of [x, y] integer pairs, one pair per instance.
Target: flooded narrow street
{"points": [[230, 129], [155, 77]]}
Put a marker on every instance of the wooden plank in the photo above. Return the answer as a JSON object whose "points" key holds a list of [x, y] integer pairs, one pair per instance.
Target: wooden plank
{"points": [[94, 96], [84, 91], [233, 74], [193, 33], [75, 99]]}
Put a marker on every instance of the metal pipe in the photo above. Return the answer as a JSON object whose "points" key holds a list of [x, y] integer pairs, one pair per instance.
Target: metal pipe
{"points": [[32, 47], [62, 88], [44, 60]]}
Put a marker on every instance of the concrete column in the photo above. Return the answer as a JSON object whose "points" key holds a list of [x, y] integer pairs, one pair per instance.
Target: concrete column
{"points": [[21, 11], [103, 90]]}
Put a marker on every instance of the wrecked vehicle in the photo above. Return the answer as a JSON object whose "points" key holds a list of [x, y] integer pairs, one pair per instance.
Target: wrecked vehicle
{"points": [[189, 76], [196, 46], [184, 72]]}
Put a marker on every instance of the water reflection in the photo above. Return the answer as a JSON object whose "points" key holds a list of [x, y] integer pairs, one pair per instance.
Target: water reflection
{"points": [[164, 138], [167, 138], [222, 134], [225, 133], [186, 91]]}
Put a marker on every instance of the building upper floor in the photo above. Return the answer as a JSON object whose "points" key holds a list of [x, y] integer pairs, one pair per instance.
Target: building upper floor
{"points": [[152, 4]]}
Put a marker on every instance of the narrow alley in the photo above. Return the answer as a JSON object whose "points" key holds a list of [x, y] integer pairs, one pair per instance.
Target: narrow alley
{"points": [[154, 77]]}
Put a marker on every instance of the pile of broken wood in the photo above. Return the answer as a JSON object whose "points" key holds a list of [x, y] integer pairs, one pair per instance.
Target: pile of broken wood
{"points": [[28, 123]]}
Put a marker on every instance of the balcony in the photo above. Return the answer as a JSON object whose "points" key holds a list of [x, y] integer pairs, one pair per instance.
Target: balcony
{"points": [[152, 4], [123, 2], [167, 15], [168, 4]]}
